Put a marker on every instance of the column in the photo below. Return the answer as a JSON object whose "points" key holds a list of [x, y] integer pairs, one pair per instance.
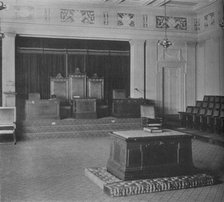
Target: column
{"points": [[8, 70], [137, 69]]}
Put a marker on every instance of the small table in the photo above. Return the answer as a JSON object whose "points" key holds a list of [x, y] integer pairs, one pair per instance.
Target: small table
{"points": [[138, 154]]}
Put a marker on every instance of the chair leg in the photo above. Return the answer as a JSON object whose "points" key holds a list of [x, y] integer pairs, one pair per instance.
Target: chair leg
{"points": [[14, 138]]}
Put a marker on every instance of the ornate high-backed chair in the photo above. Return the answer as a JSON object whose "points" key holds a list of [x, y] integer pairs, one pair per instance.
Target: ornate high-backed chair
{"points": [[8, 121], [60, 90], [95, 87], [183, 116], [59, 87], [77, 85]]}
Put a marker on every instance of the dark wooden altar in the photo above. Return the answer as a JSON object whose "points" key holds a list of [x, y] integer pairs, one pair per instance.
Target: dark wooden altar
{"points": [[84, 108], [137, 154]]}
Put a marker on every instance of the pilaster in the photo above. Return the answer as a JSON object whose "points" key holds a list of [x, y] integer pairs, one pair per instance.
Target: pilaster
{"points": [[137, 69], [151, 69], [190, 89], [8, 70]]}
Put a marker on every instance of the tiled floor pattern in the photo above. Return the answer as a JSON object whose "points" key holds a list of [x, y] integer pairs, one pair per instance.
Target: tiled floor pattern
{"points": [[53, 170]]}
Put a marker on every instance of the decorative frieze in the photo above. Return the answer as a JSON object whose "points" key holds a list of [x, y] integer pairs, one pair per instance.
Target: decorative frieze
{"points": [[178, 23], [47, 14], [77, 16], [197, 24], [125, 19], [209, 20], [105, 18], [145, 21], [24, 12]]}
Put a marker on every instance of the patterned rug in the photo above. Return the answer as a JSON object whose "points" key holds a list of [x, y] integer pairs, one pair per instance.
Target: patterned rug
{"points": [[115, 187]]}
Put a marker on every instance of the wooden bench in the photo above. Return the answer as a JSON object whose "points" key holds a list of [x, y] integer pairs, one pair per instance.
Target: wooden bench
{"points": [[8, 121]]}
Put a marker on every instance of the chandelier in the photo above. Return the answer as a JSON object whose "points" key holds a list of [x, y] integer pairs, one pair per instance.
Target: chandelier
{"points": [[165, 42], [2, 5]]}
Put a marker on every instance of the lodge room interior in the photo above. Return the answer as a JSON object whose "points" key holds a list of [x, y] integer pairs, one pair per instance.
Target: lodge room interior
{"points": [[112, 100]]}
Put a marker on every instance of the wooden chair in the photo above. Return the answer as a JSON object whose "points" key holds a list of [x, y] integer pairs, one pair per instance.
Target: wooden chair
{"points": [[211, 120], [148, 116], [204, 119], [212, 98], [184, 115], [197, 118], [205, 104], [217, 99], [206, 98], [219, 122], [211, 105], [191, 116], [222, 99], [8, 121], [217, 105], [198, 103]]}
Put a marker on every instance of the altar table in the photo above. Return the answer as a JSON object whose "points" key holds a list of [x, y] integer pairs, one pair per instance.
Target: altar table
{"points": [[138, 154]]}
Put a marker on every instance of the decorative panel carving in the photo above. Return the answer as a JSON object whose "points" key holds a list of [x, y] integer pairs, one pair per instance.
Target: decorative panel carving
{"points": [[24, 12], [197, 24], [178, 23], [77, 16], [209, 20], [125, 19]]}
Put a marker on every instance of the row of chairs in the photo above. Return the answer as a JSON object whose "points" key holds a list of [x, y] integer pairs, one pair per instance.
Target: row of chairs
{"points": [[212, 98], [205, 115]]}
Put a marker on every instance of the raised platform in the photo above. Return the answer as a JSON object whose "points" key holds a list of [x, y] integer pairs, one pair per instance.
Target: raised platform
{"points": [[68, 128], [115, 187]]}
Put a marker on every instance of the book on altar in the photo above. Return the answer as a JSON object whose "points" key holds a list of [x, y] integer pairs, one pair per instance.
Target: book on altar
{"points": [[154, 125], [153, 129]]}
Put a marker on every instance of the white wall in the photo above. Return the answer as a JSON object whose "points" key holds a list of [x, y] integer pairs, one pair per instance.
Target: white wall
{"points": [[203, 63], [210, 58]]}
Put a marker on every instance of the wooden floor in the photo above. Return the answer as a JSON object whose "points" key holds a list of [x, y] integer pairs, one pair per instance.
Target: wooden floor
{"points": [[53, 170]]}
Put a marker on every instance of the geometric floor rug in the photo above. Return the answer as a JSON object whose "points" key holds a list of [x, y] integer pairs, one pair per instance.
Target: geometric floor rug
{"points": [[115, 187]]}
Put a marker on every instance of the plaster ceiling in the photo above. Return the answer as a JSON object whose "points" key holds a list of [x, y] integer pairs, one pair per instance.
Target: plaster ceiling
{"points": [[188, 4], [185, 4]]}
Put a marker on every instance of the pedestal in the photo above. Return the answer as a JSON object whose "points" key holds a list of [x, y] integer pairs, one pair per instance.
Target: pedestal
{"points": [[84, 108], [41, 109], [137, 154]]}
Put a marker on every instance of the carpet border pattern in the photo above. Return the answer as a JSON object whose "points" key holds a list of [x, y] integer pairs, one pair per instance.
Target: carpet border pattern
{"points": [[115, 187]]}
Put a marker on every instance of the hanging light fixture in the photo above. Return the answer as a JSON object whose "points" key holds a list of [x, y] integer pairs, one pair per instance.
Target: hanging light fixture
{"points": [[2, 7], [165, 42], [221, 23]]}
